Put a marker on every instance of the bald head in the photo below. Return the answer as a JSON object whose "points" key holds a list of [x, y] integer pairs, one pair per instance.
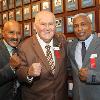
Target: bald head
{"points": [[12, 33], [44, 13], [9, 24]]}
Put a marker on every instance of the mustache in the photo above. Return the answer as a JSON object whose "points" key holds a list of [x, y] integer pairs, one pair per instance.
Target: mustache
{"points": [[13, 39]]}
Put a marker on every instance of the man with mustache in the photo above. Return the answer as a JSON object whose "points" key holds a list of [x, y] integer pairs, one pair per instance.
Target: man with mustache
{"points": [[84, 54], [9, 62]]}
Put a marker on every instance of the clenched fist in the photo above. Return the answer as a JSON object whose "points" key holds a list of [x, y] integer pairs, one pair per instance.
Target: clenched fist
{"points": [[14, 61], [35, 70]]}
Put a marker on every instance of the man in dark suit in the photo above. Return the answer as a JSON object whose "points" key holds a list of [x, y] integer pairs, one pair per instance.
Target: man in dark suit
{"points": [[47, 74], [84, 54], [8, 62]]}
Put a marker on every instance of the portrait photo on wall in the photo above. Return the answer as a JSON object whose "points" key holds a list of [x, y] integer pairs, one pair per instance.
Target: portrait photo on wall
{"points": [[11, 4], [87, 3], [35, 9], [26, 1], [46, 5], [27, 12], [71, 5], [11, 15], [69, 24], [5, 5], [18, 3], [92, 17], [5, 17], [27, 29], [19, 14], [60, 25], [57, 6]]}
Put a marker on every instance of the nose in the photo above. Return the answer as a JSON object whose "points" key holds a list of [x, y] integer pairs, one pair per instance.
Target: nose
{"points": [[15, 35]]}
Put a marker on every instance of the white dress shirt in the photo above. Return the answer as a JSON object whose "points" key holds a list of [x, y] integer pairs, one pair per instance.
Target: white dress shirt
{"points": [[78, 55]]}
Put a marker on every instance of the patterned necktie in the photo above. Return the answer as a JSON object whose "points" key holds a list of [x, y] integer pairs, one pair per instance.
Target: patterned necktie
{"points": [[83, 50], [49, 58]]}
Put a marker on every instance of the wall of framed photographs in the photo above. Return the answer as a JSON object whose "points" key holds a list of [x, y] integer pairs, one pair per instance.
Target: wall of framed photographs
{"points": [[24, 11]]}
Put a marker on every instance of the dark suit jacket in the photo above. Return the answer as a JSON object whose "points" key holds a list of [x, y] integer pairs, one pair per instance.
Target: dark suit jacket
{"points": [[47, 86], [7, 76], [88, 90]]}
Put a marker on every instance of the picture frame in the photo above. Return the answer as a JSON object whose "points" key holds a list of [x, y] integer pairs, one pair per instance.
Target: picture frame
{"points": [[11, 4], [69, 24], [4, 5], [87, 3], [60, 25], [57, 6], [18, 14], [0, 6], [27, 29], [0, 18], [11, 15], [33, 0], [26, 1], [71, 5], [91, 14], [35, 8], [18, 3], [5, 17], [46, 5], [27, 12]]}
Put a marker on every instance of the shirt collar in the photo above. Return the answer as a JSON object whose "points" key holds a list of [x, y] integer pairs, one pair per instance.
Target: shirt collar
{"points": [[9, 48]]}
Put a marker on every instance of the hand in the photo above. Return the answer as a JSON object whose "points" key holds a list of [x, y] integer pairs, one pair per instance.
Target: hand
{"points": [[14, 61], [83, 72], [35, 70]]}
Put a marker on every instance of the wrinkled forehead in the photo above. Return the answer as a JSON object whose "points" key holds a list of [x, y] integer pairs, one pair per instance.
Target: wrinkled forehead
{"points": [[43, 16]]}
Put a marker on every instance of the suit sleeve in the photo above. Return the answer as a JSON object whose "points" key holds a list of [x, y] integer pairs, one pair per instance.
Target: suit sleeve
{"points": [[6, 74]]}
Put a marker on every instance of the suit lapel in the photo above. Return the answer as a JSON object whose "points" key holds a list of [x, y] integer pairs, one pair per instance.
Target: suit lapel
{"points": [[91, 50], [5, 52], [40, 54]]}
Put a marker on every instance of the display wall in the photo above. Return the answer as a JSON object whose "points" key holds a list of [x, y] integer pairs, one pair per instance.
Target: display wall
{"points": [[24, 11]]}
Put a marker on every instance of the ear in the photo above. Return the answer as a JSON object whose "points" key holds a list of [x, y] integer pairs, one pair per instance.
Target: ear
{"points": [[34, 27]]}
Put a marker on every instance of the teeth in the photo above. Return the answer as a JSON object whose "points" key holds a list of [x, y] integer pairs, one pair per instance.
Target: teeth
{"points": [[81, 33]]}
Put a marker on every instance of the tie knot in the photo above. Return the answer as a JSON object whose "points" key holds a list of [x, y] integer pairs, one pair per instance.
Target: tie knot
{"points": [[47, 47], [14, 50], [83, 44]]}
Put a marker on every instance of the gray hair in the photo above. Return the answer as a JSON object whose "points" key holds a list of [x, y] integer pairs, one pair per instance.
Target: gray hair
{"points": [[82, 14]]}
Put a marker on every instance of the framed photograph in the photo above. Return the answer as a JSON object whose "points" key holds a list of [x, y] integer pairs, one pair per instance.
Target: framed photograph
{"points": [[18, 3], [87, 3], [5, 5], [33, 0], [19, 14], [26, 1], [5, 17], [11, 4], [69, 24], [71, 5], [57, 6], [60, 25], [27, 29], [0, 18], [92, 17], [27, 12], [46, 5], [35, 9], [11, 15], [0, 6]]}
